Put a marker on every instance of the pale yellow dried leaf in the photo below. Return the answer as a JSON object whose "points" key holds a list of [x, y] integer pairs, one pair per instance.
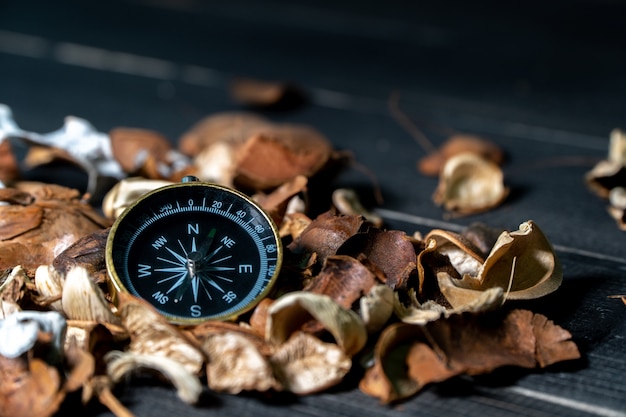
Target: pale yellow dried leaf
{"points": [[469, 183], [288, 313], [235, 364], [305, 365], [82, 298]]}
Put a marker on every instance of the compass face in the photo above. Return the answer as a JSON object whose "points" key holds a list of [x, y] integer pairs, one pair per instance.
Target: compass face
{"points": [[195, 251]]}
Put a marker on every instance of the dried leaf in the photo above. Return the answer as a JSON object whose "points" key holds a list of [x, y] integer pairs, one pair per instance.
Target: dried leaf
{"points": [[347, 202], [470, 184], [87, 253], [151, 334], [276, 203], [50, 224], [231, 128], [305, 365], [30, 388], [433, 163], [265, 94], [78, 139], [344, 279], [23, 330], [188, 387], [325, 234], [9, 166], [291, 311], [376, 307], [409, 357], [82, 299], [277, 155], [523, 263], [392, 251], [49, 283], [127, 191], [145, 153], [236, 364], [421, 313]]}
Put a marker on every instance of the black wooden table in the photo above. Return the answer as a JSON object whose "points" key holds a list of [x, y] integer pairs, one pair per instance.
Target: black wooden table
{"points": [[547, 82]]}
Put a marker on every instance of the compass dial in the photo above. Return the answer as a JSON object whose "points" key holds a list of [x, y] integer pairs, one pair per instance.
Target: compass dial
{"points": [[195, 251]]}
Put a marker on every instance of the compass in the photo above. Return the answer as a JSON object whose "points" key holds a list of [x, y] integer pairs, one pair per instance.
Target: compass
{"points": [[196, 251]]}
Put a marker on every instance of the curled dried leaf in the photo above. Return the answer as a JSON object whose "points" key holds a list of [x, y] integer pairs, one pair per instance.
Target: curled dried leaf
{"points": [[261, 93], [21, 331], [391, 251], [523, 263], [277, 202], [376, 307], [347, 202], [35, 234], [127, 191], [305, 365], [325, 234], [82, 298], [231, 128], [462, 344], [415, 312], [236, 364], [470, 184], [277, 155], [145, 153], [344, 279], [88, 253], [77, 141], [433, 163], [188, 386], [49, 283], [30, 388], [151, 334], [291, 311], [12, 289]]}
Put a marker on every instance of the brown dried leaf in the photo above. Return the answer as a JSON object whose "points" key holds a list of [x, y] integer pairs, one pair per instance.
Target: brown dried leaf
{"points": [[17, 220], [344, 279], [9, 166], [141, 152], [51, 223], [469, 184], [326, 233], [29, 388], [433, 163], [409, 357], [266, 94], [233, 128], [392, 251], [277, 155], [88, 253], [277, 202]]}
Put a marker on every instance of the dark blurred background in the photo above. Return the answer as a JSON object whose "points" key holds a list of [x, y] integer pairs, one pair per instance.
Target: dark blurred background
{"points": [[544, 80]]}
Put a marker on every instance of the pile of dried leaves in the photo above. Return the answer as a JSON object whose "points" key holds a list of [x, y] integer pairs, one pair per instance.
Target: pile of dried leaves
{"points": [[352, 298]]}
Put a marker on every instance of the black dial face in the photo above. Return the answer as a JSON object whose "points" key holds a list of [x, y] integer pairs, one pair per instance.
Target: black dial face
{"points": [[194, 251]]}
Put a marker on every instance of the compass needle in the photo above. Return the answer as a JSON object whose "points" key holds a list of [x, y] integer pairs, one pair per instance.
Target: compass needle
{"points": [[195, 251]]}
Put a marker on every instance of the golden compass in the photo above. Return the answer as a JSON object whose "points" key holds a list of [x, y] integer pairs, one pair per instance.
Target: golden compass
{"points": [[196, 251]]}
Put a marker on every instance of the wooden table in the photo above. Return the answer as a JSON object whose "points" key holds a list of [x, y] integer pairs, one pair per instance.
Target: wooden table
{"points": [[547, 82]]}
